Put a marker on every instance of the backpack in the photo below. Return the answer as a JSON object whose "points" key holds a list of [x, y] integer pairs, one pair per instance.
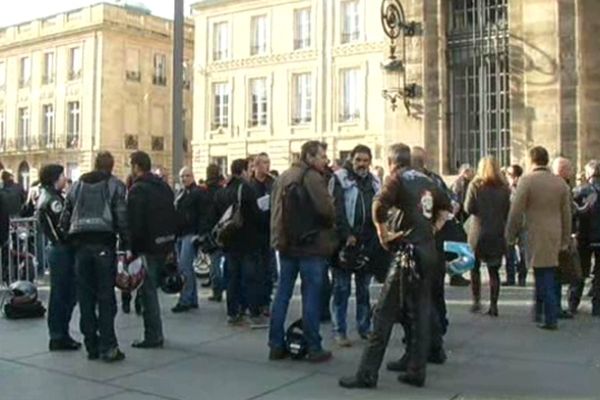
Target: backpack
{"points": [[298, 215], [162, 223], [231, 222], [92, 209]]}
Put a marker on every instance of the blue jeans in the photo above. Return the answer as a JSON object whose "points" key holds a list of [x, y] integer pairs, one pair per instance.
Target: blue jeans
{"points": [[545, 294], [216, 273], [244, 286], [311, 270], [186, 255], [515, 264], [342, 289], [63, 291]]}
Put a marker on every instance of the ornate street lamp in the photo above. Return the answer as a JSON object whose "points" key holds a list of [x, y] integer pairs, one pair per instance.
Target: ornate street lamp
{"points": [[397, 29]]}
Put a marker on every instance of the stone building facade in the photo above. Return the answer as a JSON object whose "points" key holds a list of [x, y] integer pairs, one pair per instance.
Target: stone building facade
{"points": [[491, 77], [95, 78]]}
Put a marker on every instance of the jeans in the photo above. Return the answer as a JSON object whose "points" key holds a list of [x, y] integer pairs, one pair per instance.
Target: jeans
{"points": [[63, 291], [266, 257], [586, 253], [186, 254], [149, 296], [545, 293], [244, 283], [96, 269], [342, 280], [311, 270], [515, 264], [216, 273]]}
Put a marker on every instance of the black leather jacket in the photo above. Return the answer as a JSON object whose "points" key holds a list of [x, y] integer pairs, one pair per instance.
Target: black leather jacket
{"points": [[48, 209], [118, 206]]}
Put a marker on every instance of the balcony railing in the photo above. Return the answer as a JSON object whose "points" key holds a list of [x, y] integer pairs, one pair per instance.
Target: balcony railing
{"points": [[47, 79], [219, 55], [258, 49], [300, 44], [301, 120], [218, 125], [159, 80], [134, 76], [349, 117], [348, 37], [24, 83], [47, 141], [24, 143], [74, 75]]}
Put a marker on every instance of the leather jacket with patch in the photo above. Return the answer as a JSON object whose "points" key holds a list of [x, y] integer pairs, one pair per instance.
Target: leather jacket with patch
{"points": [[49, 207]]}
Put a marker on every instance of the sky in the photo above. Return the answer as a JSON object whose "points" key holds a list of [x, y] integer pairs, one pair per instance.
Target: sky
{"points": [[15, 12]]}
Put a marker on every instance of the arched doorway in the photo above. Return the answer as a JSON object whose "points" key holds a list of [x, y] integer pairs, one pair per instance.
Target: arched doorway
{"points": [[23, 175]]}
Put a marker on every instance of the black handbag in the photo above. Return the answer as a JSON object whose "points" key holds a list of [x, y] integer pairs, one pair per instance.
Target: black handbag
{"points": [[230, 223]]}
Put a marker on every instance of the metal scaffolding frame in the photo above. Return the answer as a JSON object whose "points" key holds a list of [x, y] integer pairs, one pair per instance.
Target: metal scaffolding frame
{"points": [[478, 40]]}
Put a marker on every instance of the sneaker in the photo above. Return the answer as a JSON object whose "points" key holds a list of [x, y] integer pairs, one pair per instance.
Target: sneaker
{"points": [[342, 341], [276, 354], [413, 379], [563, 314], [236, 320], [354, 382], [113, 355], [259, 322], [145, 344], [64, 345], [319, 356], [180, 308], [459, 280]]}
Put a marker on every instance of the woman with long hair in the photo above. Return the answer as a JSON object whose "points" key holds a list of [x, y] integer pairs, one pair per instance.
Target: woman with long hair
{"points": [[488, 203]]}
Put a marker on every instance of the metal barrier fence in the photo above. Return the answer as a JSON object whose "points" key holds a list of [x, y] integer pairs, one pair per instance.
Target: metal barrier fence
{"points": [[23, 256]]}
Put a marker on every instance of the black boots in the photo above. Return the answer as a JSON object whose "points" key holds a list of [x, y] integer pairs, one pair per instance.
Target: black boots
{"points": [[356, 382]]}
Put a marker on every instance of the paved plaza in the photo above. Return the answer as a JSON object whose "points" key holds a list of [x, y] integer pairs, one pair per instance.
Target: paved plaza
{"points": [[203, 358]]}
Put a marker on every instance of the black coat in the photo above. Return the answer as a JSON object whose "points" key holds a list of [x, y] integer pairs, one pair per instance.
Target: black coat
{"points": [[264, 225], [3, 223], [193, 208]]}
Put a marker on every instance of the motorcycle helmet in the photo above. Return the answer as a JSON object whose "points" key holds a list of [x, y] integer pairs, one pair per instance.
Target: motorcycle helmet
{"points": [[22, 292], [131, 278], [352, 258], [172, 280], [295, 341], [460, 257]]}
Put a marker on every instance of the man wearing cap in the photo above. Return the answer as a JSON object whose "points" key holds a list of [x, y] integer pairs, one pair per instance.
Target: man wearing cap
{"points": [[60, 258]]}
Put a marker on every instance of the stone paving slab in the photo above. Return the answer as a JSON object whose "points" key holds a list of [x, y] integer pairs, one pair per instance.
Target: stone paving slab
{"points": [[203, 358]]}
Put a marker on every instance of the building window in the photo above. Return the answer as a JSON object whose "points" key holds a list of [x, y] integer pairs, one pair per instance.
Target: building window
{"points": [[131, 142], [75, 63], [350, 21], [158, 143], [132, 68], [48, 71], [73, 171], [258, 101], [73, 124], [478, 90], [2, 75], [23, 139], [221, 41], [25, 72], [258, 44], [350, 107], [2, 131], [302, 29], [221, 162], [220, 106], [160, 70], [302, 101], [47, 125]]}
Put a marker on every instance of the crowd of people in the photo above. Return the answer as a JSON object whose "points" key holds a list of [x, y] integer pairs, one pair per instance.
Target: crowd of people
{"points": [[329, 223]]}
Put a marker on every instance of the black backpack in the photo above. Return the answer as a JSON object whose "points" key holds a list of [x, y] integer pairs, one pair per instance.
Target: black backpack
{"points": [[92, 209], [299, 218]]}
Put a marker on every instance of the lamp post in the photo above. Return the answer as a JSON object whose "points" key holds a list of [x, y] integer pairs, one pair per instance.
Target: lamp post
{"points": [[177, 107], [397, 29]]}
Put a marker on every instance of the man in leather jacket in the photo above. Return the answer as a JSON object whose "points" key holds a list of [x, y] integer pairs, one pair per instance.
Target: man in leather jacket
{"points": [[93, 226], [422, 208], [61, 259]]}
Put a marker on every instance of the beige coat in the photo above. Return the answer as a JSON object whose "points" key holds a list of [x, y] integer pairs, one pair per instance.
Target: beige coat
{"points": [[544, 200]]}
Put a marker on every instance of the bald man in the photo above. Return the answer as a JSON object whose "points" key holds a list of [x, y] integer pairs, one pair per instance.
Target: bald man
{"points": [[191, 204]]}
